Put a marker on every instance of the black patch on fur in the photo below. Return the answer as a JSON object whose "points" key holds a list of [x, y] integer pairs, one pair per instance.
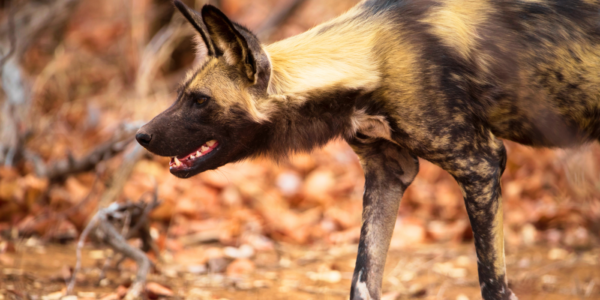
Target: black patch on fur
{"points": [[324, 115]]}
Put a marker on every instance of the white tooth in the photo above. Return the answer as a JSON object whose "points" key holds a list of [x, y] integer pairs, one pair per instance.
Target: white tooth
{"points": [[192, 157], [211, 143], [177, 162], [204, 148], [198, 154]]}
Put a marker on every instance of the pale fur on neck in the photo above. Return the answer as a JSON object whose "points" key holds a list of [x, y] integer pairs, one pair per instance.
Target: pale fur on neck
{"points": [[336, 53]]}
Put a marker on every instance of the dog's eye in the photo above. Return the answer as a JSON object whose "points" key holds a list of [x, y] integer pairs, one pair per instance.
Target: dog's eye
{"points": [[201, 100]]}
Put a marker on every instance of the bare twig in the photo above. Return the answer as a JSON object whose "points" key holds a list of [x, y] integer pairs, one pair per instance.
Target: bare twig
{"points": [[116, 241], [92, 224], [12, 38], [71, 166], [28, 22], [105, 266], [134, 217]]}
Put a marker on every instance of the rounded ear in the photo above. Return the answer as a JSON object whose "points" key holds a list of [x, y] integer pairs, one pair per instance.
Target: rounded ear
{"points": [[196, 21], [230, 41]]}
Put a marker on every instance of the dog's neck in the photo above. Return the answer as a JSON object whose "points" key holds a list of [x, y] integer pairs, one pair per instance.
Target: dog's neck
{"points": [[338, 53], [301, 123], [319, 83]]}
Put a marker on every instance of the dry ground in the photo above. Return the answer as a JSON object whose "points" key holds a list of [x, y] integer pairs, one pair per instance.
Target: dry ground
{"points": [[426, 272]]}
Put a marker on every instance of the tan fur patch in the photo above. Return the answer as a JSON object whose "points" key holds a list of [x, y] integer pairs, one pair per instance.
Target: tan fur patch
{"points": [[308, 61], [456, 22]]}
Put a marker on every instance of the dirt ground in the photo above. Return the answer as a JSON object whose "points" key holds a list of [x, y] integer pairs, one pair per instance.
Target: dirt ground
{"points": [[426, 272]]}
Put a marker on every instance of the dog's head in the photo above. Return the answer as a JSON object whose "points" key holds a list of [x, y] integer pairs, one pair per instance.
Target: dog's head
{"points": [[215, 119]]}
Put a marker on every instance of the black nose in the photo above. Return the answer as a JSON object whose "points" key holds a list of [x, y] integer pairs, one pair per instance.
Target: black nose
{"points": [[143, 138]]}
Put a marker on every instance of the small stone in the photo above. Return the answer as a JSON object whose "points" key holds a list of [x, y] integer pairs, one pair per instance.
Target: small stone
{"points": [[557, 254], [53, 296], [172, 272], [261, 284], [197, 269], [549, 280], [104, 282], [528, 234], [407, 275], [327, 276], [97, 254], [245, 251], [243, 284], [463, 261], [286, 263]]}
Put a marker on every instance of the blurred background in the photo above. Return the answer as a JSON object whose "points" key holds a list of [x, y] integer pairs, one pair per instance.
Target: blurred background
{"points": [[80, 76]]}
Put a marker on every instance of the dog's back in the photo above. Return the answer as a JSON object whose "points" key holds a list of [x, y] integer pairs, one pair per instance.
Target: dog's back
{"points": [[526, 69]]}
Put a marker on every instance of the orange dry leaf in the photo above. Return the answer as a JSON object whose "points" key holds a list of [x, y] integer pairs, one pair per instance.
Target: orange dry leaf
{"points": [[240, 267], [155, 290]]}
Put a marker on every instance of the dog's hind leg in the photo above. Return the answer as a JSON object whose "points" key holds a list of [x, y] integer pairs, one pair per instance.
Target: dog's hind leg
{"points": [[388, 170], [478, 168]]}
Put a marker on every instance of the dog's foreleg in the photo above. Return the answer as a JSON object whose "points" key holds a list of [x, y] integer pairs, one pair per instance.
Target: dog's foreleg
{"points": [[388, 170], [478, 174]]}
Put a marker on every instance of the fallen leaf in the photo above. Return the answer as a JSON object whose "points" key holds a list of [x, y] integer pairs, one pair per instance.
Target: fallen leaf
{"points": [[154, 290]]}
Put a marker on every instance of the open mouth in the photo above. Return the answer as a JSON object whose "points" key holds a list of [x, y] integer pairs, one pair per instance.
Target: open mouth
{"points": [[185, 162]]}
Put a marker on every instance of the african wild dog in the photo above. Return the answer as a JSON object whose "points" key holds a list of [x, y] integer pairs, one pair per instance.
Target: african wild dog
{"points": [[443, 80]]}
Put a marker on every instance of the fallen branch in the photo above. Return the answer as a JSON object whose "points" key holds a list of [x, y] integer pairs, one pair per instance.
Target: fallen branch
{"points": [[60, 170], [118, 243], [103, 227]]}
